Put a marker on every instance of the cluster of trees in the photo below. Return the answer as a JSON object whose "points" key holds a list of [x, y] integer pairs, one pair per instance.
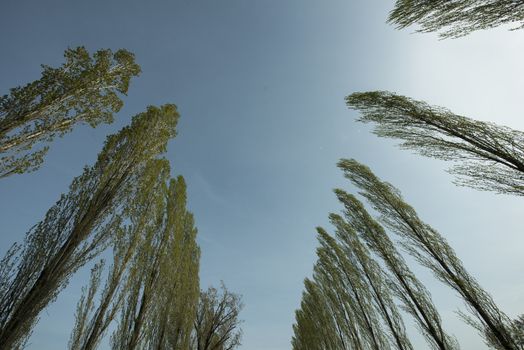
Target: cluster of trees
{"points": [[361, 284], [126, 203]]}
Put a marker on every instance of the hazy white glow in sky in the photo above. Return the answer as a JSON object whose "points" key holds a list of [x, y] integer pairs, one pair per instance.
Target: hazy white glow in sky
{"points": [[260, 86]]}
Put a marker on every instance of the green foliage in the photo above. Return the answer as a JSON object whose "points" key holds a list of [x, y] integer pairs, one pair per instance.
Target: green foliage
{"points": [[80, 224], [350, 301], [489, 157], [353, 294], [316, 325], [160, 299], [351, 246], [456, 18], [84, 89], [430, 249], [217, 326], [337, 271], [403, 284], [126, 240], [86, 308]]}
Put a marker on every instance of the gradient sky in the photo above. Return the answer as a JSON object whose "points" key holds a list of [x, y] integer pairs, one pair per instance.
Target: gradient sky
{"points": [[260, 86]]}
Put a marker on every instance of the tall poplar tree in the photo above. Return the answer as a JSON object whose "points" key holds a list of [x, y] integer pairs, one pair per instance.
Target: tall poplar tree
{"points": [[343, 275], [316, 326], [358, 294], [456, 18], [80, 224], [85, 89], [404, 285], [488, 156], [372, 273], [92, 322], [431, 250], [171, 324], [159, 304]]}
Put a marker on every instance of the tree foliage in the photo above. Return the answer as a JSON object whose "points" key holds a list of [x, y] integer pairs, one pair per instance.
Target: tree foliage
{"points": [[80, 224], [360, 276], [126, 241], [431, 250], [404, 285], [488, 156], [362, 314], [456, 18], [161, 298], [85, 89]]}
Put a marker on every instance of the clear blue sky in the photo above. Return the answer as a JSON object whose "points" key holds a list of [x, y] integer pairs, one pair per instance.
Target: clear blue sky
{"points": [[260, 87]]}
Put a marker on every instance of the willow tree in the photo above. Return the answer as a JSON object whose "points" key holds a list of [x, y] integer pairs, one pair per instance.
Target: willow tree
{"points": [[217, 323], [488, 156], [160, 301], [456, 18], [85, 89], [430, 249], [80, 224]]}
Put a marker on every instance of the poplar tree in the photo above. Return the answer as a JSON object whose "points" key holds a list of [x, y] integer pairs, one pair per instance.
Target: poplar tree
{"points": [[345, 277], [80, 224], [431, 250], [404, 285], [217, 323], [85, 89], [372, 273], [159, 304], [456, 18], [91, 323], [171, 323], [357, 293], [315, 323], [488, 156]]}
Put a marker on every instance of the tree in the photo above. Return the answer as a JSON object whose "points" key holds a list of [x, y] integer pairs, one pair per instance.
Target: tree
{"points": [[217, 326], [84, 89], [356, 292], [91, 323], [431, 250], [490, 157], [316, 326], [160, 301], [402, 282], [84, 327], [456, 18], [80, 224], [377, 280], [335, 271], [173, 316]]}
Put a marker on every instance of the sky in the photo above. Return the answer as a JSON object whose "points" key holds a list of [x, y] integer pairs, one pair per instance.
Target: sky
{"points": [[260, 86]]}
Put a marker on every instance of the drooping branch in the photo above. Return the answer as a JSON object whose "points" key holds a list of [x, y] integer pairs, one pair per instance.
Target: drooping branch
{"points": [[488, 157]]}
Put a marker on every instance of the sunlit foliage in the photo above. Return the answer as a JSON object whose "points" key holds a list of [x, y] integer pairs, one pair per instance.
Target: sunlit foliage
{"points": [[85, 89]]}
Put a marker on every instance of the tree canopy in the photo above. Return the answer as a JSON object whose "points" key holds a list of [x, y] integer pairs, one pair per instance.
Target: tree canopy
{"points": [[85, 89], [487, 156], [80, 224], [456, 18]]}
